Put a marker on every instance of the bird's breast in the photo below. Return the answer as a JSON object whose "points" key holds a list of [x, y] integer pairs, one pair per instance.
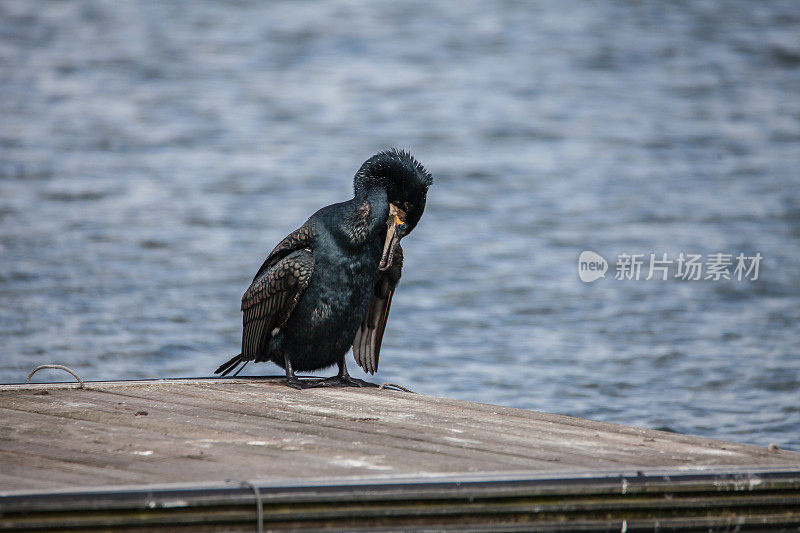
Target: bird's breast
{"points": [[341, 284]]}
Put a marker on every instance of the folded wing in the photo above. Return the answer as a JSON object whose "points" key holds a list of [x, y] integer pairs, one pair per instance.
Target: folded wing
{"points": [[276, 287], [269, 301], [367, 343]]}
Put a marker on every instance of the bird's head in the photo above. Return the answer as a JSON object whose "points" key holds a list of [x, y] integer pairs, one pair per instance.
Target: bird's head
{"points": [[406, 183]]}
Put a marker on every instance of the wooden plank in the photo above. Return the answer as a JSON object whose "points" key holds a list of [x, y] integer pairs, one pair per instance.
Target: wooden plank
{"points": [[212, 430], [360, 458], [221, 432]]}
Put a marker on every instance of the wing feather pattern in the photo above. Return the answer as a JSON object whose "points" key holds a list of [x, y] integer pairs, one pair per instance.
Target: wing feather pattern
{"points": [[296, 240], [270, 300], [367, 343], [276, 287]]}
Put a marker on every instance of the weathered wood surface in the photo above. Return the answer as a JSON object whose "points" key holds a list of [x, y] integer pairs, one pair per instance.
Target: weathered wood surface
{"points": [[159, 456], [210, 430]]}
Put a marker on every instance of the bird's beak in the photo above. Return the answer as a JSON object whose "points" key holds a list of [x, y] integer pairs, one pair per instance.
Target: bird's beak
{"points": [[395, 230]]}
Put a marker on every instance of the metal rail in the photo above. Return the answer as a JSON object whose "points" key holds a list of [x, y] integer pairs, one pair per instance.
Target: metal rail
{"points": [[667, 501]]}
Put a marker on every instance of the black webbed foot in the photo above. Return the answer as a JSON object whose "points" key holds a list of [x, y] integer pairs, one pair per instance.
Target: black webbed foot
{"points": [[344, 381], [295, 383]]}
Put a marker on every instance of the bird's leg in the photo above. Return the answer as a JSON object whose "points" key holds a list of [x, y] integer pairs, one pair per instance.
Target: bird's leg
{"points": [[291, 379], [343, 379], [344, 376]]}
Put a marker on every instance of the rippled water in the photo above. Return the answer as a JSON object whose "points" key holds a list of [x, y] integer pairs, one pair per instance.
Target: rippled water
{"points": [[151, 154]]}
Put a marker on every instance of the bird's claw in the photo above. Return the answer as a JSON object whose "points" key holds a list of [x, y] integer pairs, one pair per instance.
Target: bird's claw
{"points": [[344, 381], [335, 381], [295, 383]]}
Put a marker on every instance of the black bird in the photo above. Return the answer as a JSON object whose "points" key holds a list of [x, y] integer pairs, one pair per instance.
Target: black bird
{"points": [[329, 284]]}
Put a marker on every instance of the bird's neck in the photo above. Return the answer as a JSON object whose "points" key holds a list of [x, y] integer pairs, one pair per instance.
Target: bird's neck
{"points": [[367, 215]]}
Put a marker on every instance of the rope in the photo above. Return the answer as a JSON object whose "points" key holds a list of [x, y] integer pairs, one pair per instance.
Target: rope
{"points": [[395, 386], [57, 367], [259, 503]]}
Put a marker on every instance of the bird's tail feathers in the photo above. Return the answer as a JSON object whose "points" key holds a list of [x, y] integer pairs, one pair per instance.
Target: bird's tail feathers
{"points": [[227, 367]]}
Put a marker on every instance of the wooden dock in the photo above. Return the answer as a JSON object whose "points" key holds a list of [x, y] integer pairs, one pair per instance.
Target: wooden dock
{"points": [[233, 454]]}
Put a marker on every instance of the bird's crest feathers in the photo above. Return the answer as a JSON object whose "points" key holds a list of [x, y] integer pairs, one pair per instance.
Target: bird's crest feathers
{"points": [[393, 167]]}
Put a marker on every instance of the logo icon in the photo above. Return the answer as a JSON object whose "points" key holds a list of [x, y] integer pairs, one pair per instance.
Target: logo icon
{"points": [[591, 266]]}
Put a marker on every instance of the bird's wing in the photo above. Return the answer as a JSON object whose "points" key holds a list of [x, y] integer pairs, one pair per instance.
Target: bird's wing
{"points": [[367, 344], [271, 298], [300, 238]]}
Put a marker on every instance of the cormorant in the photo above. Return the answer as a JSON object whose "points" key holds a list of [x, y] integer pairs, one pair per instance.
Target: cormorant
{"points": [[329, 284]]}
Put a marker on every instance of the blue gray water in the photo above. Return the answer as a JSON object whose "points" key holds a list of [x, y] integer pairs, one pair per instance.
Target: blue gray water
{"points": [[151, 154]]}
